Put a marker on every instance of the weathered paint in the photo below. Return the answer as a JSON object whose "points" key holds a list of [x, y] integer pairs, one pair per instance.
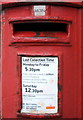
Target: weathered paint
{"points": [[68, 50]]}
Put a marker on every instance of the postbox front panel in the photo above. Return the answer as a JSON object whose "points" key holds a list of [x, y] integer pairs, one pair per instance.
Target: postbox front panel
{"points": [[41, 62]]}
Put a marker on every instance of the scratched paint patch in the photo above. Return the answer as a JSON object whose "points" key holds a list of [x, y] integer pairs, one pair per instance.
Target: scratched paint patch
{"points": [[39, 85], [39, 10]]}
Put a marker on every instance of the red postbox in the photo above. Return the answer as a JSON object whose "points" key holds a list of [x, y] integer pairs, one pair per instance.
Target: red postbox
{"points": [[41, 53]]}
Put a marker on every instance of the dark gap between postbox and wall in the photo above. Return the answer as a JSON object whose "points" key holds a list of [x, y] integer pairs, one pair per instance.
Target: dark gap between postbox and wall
{"points": [[40, 29]]}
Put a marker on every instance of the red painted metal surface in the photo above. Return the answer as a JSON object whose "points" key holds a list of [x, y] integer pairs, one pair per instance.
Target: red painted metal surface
{"points": [[82, 60], [16, 43], [10, 3], [55, 30]]}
